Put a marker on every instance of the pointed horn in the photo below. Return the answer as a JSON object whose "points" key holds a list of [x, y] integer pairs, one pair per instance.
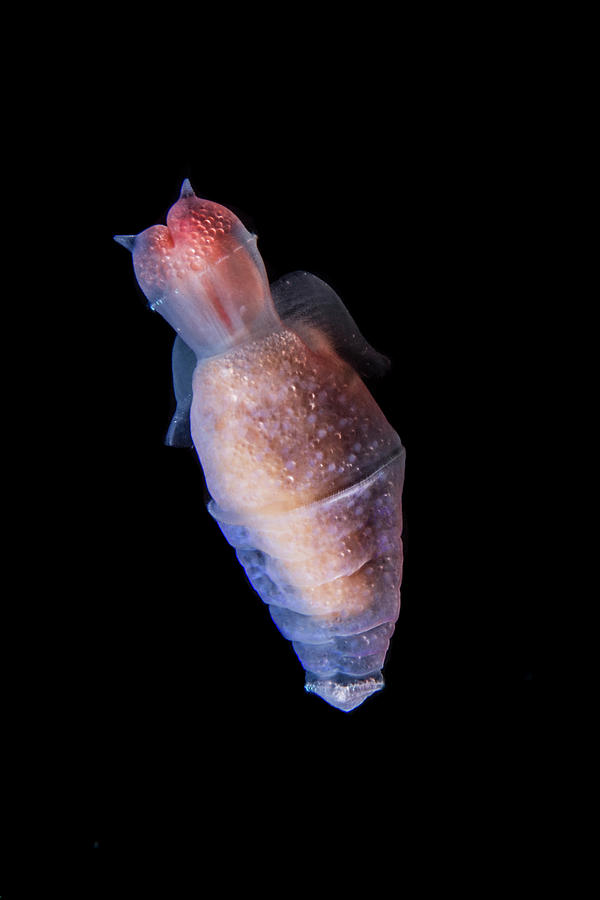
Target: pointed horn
{"points": [[126, 240], [186, 189]]}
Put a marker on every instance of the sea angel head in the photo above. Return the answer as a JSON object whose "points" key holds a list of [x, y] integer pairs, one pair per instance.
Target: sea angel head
{"points": [[203, 273]]}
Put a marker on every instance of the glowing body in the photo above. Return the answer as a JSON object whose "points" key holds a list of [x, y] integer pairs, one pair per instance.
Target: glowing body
{"points": [[304, 471]]}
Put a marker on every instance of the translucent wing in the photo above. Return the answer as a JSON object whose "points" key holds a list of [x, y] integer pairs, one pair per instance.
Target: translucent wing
{"points": [[307, 305], [184, 362]]}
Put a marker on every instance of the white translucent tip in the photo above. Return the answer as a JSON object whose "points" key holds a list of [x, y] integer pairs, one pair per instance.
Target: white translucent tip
{"points": [[186, 189], [126, 240], [345, 695]]}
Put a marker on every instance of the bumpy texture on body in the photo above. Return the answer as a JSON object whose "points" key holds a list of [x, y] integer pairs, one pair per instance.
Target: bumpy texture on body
{"points": [[304, 471]]}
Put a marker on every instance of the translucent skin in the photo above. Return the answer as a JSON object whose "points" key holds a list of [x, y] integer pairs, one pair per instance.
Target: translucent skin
{"points": [[205, 276], [302, 420], [304, 470], [279, 427]]}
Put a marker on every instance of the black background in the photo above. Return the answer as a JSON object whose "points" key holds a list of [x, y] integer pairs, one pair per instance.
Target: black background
{"points": [[160, 698]]}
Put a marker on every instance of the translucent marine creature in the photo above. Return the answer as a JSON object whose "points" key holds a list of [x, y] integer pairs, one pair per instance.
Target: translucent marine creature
{"points": [[304, 471]]}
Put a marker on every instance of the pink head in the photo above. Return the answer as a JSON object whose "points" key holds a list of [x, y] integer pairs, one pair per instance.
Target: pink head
{"points": [[203, 273]]}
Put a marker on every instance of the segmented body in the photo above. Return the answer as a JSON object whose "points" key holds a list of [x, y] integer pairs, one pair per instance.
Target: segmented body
{"points": [[306, 478], [304, 470]]}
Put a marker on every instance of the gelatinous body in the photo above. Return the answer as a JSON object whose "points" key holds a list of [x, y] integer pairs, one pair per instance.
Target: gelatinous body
{"points": [[304, 471]]}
